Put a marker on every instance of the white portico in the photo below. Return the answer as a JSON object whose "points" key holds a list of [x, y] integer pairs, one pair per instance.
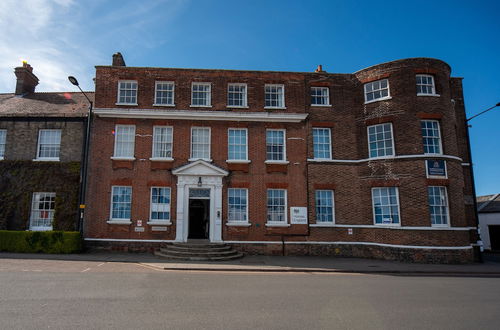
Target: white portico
{"points": [[199, 180]]}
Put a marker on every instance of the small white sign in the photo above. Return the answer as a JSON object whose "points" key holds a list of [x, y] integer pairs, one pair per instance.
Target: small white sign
{"points": [[139, 229], [349, 231], [386, 220], [298, 215], [139, 223]]}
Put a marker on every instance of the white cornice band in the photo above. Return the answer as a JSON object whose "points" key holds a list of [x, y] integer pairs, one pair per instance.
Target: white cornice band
{"points": [[312, 160], [200, 115]]}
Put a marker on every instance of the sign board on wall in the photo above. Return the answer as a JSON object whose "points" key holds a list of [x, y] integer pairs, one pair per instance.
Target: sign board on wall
{"points": [[298, 215], [436, 168]]}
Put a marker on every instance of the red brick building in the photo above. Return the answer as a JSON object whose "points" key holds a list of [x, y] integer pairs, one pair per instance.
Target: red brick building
{"points": [[366, 164]]}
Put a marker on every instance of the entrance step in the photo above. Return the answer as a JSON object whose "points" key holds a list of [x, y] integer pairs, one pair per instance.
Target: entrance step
{"points": [[198, 252]]}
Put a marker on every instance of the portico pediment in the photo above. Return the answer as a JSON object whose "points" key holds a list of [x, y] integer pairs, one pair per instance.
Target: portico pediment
{"points": [[200, 168]]}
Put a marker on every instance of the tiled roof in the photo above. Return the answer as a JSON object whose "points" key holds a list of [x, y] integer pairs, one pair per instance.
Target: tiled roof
{"points": [[61, 104], [488, 204]]}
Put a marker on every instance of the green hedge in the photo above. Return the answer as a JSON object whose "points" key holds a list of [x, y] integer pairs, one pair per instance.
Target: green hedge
{"points": [[40, 241]]}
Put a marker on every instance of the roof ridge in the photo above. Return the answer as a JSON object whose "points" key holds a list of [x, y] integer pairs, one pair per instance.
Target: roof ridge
{"points": [[488, 202]]}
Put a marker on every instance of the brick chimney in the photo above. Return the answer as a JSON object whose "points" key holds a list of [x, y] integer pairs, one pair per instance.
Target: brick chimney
{"points": [[26, 80], [118, 60]]}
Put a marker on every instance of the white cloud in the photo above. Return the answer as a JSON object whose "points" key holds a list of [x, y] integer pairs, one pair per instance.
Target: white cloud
{"points": [[65, 37]]}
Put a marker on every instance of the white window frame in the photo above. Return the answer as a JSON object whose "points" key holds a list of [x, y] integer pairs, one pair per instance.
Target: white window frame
{"points": [[50, 212], [398, 206], [282, 106], [39, 144], [3, 143], [277, 223], [392, 141], [170, 83], [120, 220], [447, 206], [209, 143], [151, 206], [318, 221], [171, 141], [284, 160], [232, 160], [432, 86], [371, 83], [124, 157], [234, 221], [433, 137], [209, 97], [328, 103], [329, 142], [245, 95], [119, 92]]}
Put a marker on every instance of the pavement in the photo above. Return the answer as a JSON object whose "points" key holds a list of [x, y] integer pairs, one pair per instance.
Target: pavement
{"points": [[489, 268]]}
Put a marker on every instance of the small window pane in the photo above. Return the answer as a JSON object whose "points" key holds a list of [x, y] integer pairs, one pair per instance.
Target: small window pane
{"points": [[200, 94], [42, 210], [164, 93], [431, 136], [320, 96], [121, 199], [162, 142], [438, 205], [200, 143], [274, 96], [160, 204], [237, 95], [324, 206], [127, 92]]}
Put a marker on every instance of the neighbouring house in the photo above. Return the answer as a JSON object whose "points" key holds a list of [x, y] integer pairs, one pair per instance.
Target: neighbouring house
{"points": [[41, 137], [488, 208], [369, 164]]}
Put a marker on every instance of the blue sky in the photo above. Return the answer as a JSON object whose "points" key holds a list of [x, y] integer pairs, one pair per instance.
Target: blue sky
{"points": [[68, 37]]}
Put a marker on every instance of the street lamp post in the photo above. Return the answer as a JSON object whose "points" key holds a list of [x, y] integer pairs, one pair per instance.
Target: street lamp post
{"points": [[85, 160], [472, 172]]}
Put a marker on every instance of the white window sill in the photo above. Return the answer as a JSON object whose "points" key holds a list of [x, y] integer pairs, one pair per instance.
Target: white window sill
{"points": [[195, 159], [163, 105], [381, 157], [123, 158], [387, 225], [435, 154], [41, 228], [200, 106], [275, 108], [45, 159], [321, 105], [119, 222], [278, 162], [238, 161], [237, 106], [381, 99], [321, 224], [161, 159], [126, 104], [159, 223], [440, 226], [433, 95], [237, 224], [277, 224], [319, 159]]}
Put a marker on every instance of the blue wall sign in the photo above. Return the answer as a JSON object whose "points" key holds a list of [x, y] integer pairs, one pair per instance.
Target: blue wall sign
{"points": [[436, 167]]}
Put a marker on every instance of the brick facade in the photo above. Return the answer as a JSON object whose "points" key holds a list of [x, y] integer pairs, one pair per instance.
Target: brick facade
{"points": [[350, 173]]}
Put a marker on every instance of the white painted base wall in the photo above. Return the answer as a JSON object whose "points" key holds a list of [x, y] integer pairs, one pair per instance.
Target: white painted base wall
{"points": [[486, 219]]}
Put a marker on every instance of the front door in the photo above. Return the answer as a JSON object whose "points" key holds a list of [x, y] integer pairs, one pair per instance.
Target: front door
{"points": [[199, 211]]}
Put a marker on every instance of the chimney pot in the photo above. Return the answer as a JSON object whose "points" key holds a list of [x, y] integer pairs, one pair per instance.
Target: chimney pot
{"points": [[319, 68], [118, 60]]}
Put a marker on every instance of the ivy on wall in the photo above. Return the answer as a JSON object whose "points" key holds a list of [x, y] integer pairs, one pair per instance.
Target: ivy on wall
{"points": [[18, 181]]}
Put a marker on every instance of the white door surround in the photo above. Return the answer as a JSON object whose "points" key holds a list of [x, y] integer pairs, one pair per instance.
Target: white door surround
{"points": [[199, 174]]}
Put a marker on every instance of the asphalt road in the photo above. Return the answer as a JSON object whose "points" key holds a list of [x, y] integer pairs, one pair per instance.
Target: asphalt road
{"points": [[57, 294]]}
